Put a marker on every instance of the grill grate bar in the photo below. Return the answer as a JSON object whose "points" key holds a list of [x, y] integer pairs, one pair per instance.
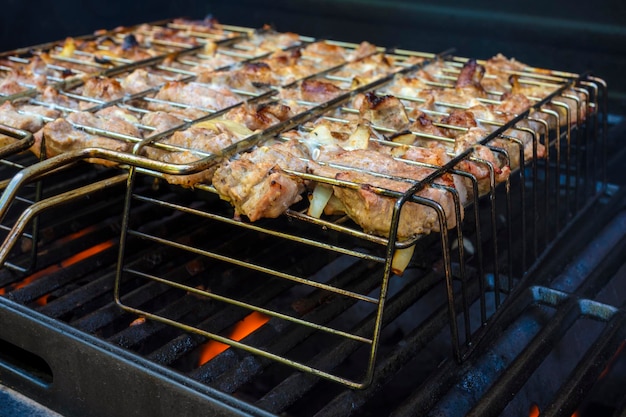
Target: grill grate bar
{"points": [[249, 366]]}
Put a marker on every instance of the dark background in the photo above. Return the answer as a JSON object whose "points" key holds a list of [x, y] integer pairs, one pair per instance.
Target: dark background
{"points": [[573, 36]]}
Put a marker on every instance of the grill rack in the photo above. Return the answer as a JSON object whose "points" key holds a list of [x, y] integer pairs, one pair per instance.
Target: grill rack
{"points": [[61, 65], [460, 322]]}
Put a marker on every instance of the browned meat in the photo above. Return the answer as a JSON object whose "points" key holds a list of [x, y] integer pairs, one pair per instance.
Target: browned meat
{"points": [[52, 96], [10, 86], [310, 90], [498, 69], [101, 88], [27, 117], [261, 116], [194, 94], [247, 77], [366, 70], [384, 111], [424, 124], [373, 211], [513, 104], [140, 80], [61, 135], [480, 169], [161, 121], [407, 85], [289, 66], [206, 25], [470, 77], [23, 77], [364, 49], [256, 184], [461, 118], [187, 146]]}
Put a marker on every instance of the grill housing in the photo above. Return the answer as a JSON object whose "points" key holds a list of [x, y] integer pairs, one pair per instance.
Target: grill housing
{"points": [[456, 298]]}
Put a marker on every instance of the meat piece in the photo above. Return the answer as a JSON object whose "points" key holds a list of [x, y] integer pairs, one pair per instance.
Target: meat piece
{"points": [[194, 94], [288, 66], [461, 118], [62, 136], [207, 25], [373, 211], [247, 77], [366, 70], [435, 155], [260, 116], [484, 114], [140, 80], [269, 40], [407, 85], [384, 111], [498, 69], [256, 184], [54, 97], [161, 121], [192, 144], [101, 88], [10, 86], [28, 117], [470, 77], [513, 104], [364, 49], [479, 169], [310, 90], [23, 77]]}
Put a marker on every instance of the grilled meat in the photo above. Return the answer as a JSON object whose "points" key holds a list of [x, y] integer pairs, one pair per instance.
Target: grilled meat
{"points": [[373, 211], [140, 80], [25, 117], [256, 183], [194, 94], [64, 135], [195, 143]]}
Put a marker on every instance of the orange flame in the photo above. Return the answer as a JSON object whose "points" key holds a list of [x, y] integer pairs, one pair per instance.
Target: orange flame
{"points": [[242, 329], [534, 411], [64, 264]]}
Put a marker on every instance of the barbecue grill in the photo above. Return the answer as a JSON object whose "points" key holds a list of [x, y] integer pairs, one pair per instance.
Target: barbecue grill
{"points": [[124, 291]]}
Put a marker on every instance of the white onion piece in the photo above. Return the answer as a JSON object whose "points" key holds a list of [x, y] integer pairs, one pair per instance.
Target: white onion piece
{"points": [[321, 195], [401, 259], [322, 135], [218, 125], [359, 139], [405, 139], [210, 47]]}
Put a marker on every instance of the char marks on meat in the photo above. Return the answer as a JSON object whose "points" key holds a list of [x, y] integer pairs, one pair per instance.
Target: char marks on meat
{"points": [[373, 211], [194, 94], [256, 183]]}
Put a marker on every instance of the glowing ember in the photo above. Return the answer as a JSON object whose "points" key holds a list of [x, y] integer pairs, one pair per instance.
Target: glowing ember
{"points": [[534, 411], [64, 264], [242, 329], [137, 321]]}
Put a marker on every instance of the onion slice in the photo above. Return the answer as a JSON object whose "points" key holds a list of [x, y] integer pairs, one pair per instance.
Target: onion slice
{"points": [[359, 139], [319, 199], [401, 259], [218, 125]]}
